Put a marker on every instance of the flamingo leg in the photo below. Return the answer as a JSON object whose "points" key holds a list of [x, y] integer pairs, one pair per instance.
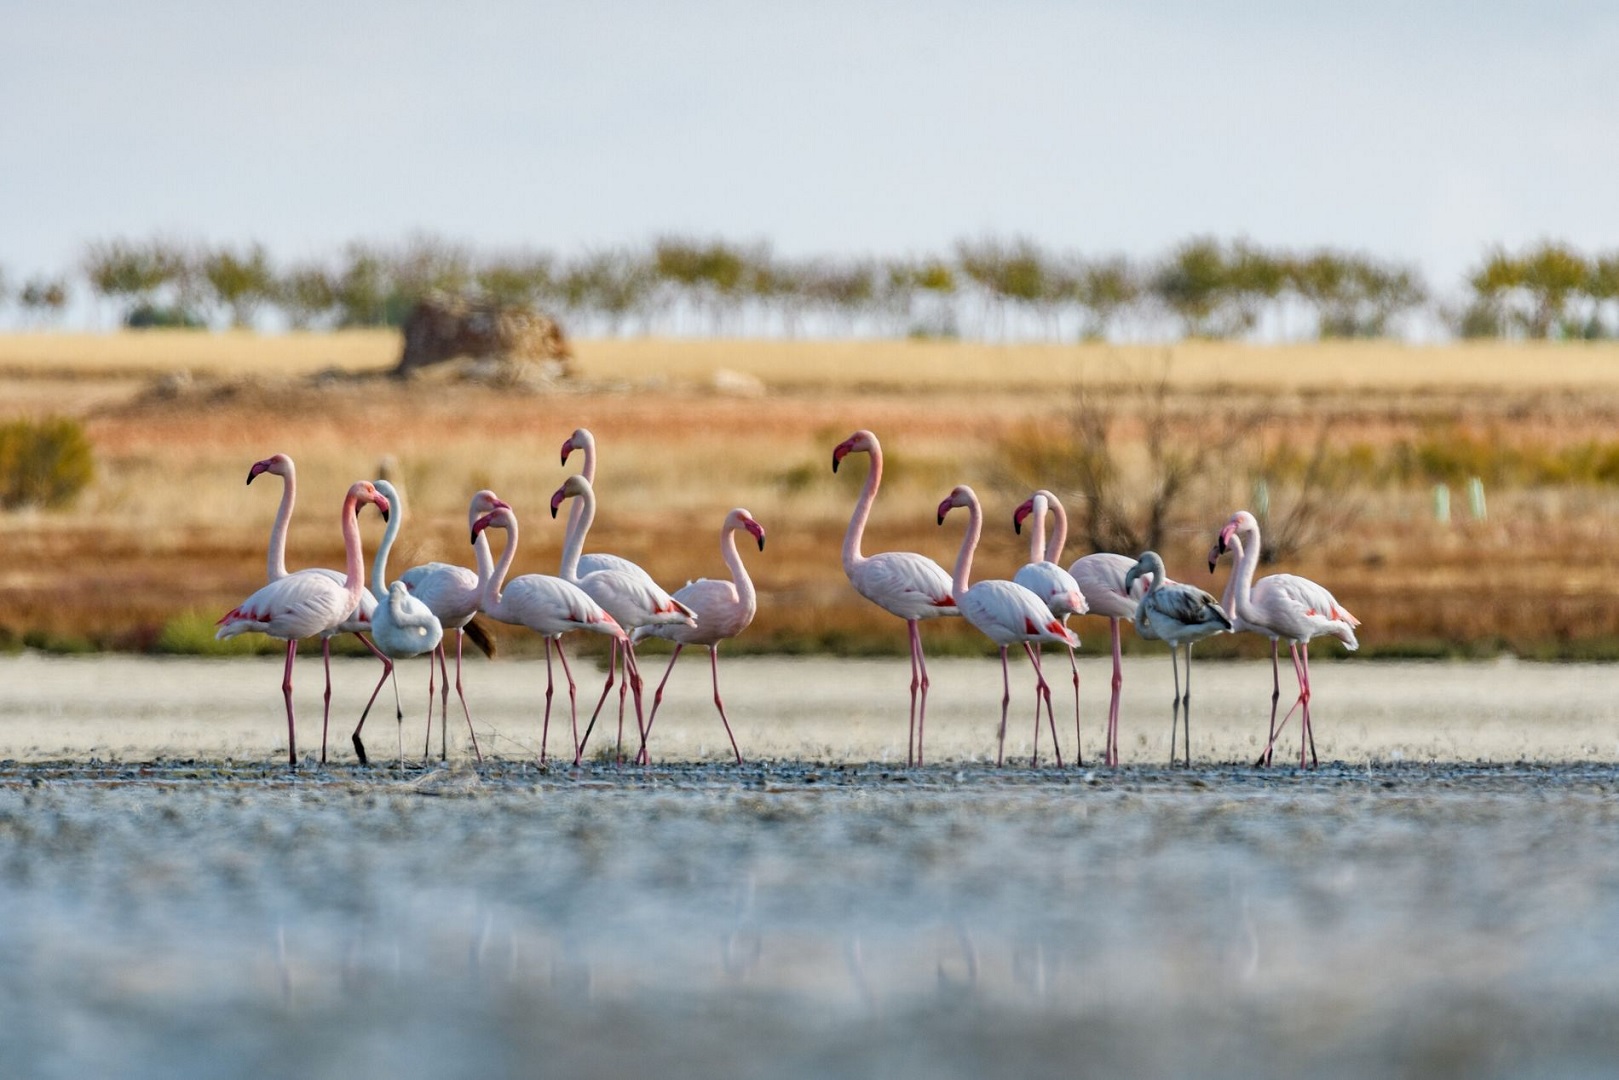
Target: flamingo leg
{"points": [[1186, 707], [1006, 698], [1175, 709], [399, 718], [286, 692], [632, 671], [922, 705], [612, 666], [915, 640], [623, 692], [471, 734], [573, 699], [657, 699], [550, 688], [326, 712], [387, 670], [714, 663], [1275, 697], [1042, 690], [1112, 753], [1034, 754], [444, 708], [1309, 722], [1079, 751], [1298, 672], [427, 741]]}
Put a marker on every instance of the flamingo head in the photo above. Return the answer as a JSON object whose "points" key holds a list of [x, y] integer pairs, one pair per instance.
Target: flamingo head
{"points": [[1242, 522], [573, 486], [1149, 566], [487, 502], [861, 441], [741, 519], [961, 496], [499, 518], [581, 439], [1035, 504], [279, 464], [364, 491]]}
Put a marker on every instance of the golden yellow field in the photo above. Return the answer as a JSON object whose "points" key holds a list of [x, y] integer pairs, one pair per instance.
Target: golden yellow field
{"points": [[169, 535]]}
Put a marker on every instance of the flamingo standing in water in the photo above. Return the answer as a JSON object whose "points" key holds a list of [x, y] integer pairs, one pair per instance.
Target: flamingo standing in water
{"points": [[1008, 614], [401, 625], [902, 583], [1282, 607], [1180, 615], [631, 599], [452, 593], [1043, 576], [547, 605], [309, 603], [724, 609], [359, 620]]}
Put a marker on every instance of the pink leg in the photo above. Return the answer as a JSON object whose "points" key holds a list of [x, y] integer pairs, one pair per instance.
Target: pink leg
{"points": [[1034, 752], [612, 666], [473, 735], [1006, 698], [387, 670], [922, 703], [286, 692], [1111, 756], [1042, 689], [1309, 722], [550, 688], [1079, 747], [1298, 672], [444, 709], [915, 640], [657, 699], [632, 673], [326, 712], [427, 741], [573, 699], [623, 692], [1275, 696], [714, 663]]}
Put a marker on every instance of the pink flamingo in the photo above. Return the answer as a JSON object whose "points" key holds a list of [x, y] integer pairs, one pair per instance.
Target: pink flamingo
{"points": [[1282, 607], [633, 600], [583, 440], [547, 605], [309, 603], [359, 620], [1043, 576], [453, 593], [724, 609], [1008, 614], [1180, 615], [902, 583]]}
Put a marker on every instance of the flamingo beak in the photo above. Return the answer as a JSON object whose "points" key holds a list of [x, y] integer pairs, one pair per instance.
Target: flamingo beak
{"points": [[1020, 513], [556, 501], [567, 448], [480, 525], [382, 506], [944, 508], [258, 467], [838, 454], [757, 530]]}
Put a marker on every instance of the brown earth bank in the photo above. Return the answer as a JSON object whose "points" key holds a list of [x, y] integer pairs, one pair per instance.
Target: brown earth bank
{"points": [[1349, 439]]}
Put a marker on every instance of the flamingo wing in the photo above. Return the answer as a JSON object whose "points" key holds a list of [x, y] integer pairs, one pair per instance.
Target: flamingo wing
{"points": [[305, 604], [448, 590], [1053, 585], [594, 563], [906, 584], [1301, 609], [719, 610], [1007, 612], [550, 606]]}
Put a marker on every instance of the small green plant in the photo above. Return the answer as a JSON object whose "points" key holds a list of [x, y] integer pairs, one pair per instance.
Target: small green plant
{"points": [[43, 463], [192, 634]]}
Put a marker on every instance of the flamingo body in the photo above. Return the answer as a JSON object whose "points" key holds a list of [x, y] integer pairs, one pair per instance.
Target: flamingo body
{"points": [[1180, 615]]}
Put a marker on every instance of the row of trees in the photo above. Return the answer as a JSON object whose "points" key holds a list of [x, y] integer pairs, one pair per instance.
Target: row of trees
{"points": [[989, 288]]}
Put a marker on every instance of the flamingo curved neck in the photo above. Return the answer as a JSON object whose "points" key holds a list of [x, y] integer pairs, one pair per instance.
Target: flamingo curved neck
{"points": [[1059, 530], [578, 528], [739, 573], [1037, 530], [969, 544], [276, 560], [354, 561], [493, 579], [589, 473], [1240, 588], [862, 511], [379, 563]]}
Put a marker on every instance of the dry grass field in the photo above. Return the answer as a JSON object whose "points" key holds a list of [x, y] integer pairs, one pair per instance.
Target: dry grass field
{"points": [[168, 536]]}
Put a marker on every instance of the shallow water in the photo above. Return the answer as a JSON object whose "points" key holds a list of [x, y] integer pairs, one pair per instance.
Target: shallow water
{"points": [[184, 919], [164, 912]]}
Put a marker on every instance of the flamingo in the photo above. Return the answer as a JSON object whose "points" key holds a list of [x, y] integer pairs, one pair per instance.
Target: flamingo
{"points": [[1180, 615], [1008, 614], [452, 593], [724, 609], [359, 619], [633, 600], [309, 603], [583, 440], [402, 626], [1042, 576], [1281, 607], [902, 583], [547, 605]]}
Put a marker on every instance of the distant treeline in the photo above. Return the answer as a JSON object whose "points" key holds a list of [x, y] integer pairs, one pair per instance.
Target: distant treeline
{"points": [[993, 289]]}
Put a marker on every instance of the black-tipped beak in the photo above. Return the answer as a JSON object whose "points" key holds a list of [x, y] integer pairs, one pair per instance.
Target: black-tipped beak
{"points": [[835, 460], [1211, 566], [553, 510], [251, 475], [474, 536], [1017, 526], [941, 519], [761, 543]]}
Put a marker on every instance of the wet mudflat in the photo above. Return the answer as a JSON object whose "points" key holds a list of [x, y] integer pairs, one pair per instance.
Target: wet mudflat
{"points": [[1441, 898], [184, 918]]}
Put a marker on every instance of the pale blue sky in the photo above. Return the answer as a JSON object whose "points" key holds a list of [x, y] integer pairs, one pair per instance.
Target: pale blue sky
{"points": [[829, 127]]}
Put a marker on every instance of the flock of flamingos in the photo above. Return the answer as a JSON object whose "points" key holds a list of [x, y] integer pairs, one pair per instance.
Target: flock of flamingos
{"points": [[609, 595]]}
